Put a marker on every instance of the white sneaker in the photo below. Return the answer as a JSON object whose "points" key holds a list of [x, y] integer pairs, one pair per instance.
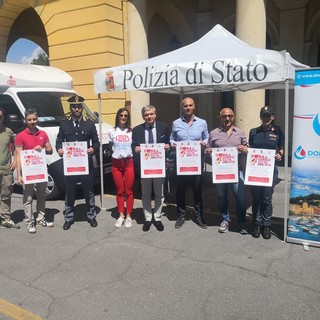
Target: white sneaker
{"points": [[128, 223], [31, 227], [8, 224], [44, 223], [119, 222], [224, 227]]}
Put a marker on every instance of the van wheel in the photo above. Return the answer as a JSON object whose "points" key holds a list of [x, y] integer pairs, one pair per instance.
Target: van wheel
{"points": [[52, 191]]}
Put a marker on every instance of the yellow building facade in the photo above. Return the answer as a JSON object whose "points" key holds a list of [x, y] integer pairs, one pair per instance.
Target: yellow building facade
{"points": [[79, 36]]}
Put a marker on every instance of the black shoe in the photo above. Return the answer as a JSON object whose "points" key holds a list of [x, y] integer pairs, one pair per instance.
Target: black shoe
{"points": [[266, 234], [256, 232], [67, 225], [146, 226], [180, 221], [201, 223], [159, 226], [93, 222]]}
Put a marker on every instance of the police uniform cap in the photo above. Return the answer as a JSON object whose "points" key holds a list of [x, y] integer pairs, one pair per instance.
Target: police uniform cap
{"points": [[75, 101], [266, 109]]}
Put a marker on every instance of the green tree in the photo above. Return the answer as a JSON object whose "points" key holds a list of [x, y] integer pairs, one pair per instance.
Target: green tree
{"points": [[42, 60]]}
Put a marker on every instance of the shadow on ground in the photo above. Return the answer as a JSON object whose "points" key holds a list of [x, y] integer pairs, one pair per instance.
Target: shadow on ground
{"points": [[210, 204]]}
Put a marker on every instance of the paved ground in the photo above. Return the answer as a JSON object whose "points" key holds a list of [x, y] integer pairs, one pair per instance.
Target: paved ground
{"points": [[190, 273]]}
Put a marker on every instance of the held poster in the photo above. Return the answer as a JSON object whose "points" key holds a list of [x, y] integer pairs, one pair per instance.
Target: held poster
{"points": [[33, 166], [304, 203], [153, 160], [188, 158], [225, 165], [75, 158], [260, 167]]}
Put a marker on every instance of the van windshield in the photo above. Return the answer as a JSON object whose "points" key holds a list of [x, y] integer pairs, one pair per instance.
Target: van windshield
{"points": [[52, 107]]}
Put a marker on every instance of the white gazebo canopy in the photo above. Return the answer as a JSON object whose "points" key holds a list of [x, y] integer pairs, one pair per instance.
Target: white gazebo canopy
{"points": [[218, 61]]}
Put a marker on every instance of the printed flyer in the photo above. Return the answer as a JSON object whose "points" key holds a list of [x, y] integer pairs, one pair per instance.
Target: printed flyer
{"points": [[153, 160], [33, 166], [75, 158], [188, 158], [225, 165], [260, 167]]}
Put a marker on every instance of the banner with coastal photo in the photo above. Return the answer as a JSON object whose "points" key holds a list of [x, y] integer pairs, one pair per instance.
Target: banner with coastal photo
{"points": [[304, 206]]}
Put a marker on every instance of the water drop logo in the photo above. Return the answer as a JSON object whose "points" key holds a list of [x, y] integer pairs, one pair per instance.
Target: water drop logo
{"points": [[316, 125], [300, 153]]}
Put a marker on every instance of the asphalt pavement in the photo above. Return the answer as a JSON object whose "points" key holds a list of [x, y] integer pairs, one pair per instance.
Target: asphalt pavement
{"points": [[189, 273]]}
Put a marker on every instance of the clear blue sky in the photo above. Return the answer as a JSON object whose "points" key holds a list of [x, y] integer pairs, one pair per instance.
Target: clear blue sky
{"points": [[23, 51]]}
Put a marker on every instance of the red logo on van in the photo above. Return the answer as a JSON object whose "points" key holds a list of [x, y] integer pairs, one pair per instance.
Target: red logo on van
{"points": [[11, 81]]}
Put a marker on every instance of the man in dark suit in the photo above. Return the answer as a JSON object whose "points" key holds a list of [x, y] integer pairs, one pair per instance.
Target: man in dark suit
{"points": [[150, 132], [77, 127]]}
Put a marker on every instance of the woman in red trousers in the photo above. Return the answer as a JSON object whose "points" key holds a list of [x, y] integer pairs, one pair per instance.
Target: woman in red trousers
{"points": [[120, 138]]}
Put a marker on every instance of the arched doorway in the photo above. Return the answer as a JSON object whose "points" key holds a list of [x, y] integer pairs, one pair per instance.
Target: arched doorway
{"points": [[28, 25], [184, 24], [164, 19]]}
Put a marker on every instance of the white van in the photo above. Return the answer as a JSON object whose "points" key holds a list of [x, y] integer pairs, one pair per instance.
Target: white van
{"points": [[46, 89]]}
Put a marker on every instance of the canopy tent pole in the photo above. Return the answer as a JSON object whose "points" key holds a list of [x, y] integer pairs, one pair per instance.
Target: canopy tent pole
{"points": [[286, 156], [101, 154], [181, 97]]}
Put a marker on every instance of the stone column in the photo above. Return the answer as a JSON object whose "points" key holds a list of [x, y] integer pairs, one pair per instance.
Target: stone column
{"points": [[205, 102], [250, 28], [136, 35]]}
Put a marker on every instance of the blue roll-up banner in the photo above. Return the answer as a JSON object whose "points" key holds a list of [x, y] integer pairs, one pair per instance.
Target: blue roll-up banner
{"points": [[304, 206]]}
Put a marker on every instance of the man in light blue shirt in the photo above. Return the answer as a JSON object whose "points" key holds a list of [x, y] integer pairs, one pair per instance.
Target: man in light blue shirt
{"points": [[189, 128]]}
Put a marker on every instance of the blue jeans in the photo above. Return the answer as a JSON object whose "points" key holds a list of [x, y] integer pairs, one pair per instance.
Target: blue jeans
{"points": [[239, 193]]}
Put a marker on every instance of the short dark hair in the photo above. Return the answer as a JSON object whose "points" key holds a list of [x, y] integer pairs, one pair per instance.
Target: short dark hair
{"points": [[30, 111]]}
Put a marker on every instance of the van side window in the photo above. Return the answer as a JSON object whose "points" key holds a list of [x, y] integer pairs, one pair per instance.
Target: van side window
{"points": [[13, 116]]}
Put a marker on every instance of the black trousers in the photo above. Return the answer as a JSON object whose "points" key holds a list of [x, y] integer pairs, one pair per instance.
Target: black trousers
{"points": [[196, 184], [262, 202], [88, 191]]}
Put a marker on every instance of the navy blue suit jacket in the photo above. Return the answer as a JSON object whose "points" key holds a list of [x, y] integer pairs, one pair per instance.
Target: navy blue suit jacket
{"points": [[138, 137]]}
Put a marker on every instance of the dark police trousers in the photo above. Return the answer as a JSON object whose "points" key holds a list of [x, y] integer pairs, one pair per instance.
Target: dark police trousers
{"points": [[88, 191], [262, 202]]}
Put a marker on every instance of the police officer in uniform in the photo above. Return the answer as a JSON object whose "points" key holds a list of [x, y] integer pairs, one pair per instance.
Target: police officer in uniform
{"points": [[267, 136], [77, 127]]}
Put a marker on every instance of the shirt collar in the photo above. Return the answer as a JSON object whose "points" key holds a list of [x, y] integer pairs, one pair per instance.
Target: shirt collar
{"points": [[222, 129], [270, 128], [147, 126], [32, 133], [193, 119]]}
